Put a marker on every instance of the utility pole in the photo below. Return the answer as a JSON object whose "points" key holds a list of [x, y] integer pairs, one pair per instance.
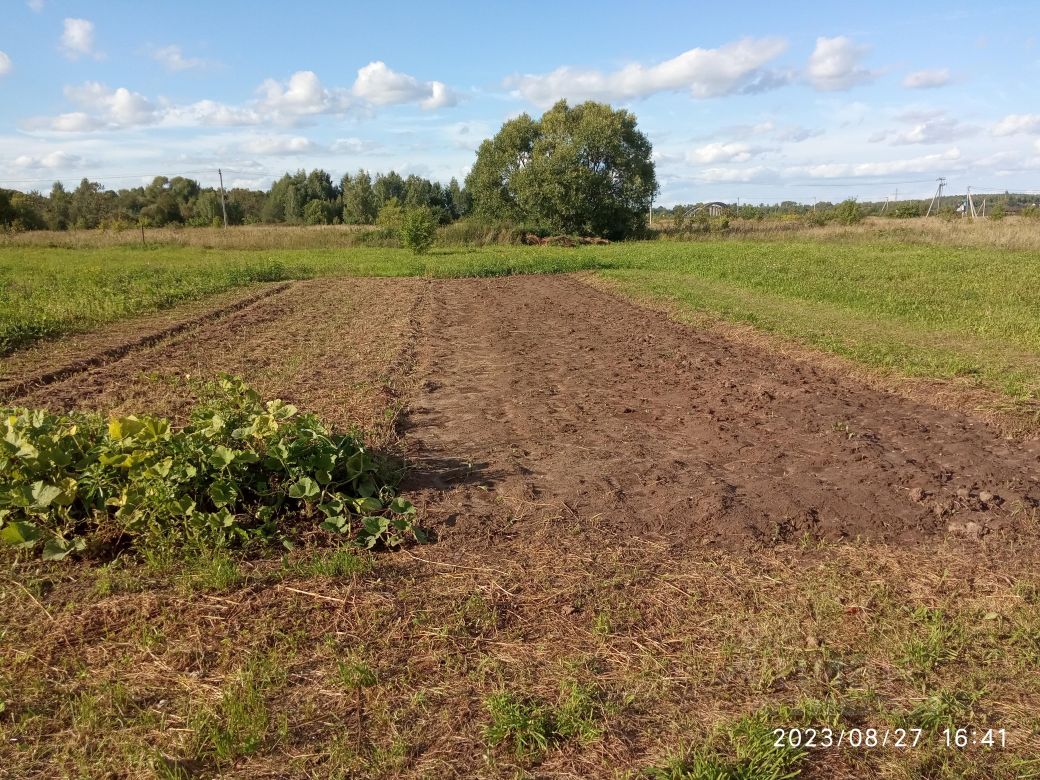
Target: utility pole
{"points": [[223, 205], [937, 197], [971, 205]]}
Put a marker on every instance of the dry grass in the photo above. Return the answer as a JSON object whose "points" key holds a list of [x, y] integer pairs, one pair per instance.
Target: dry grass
{"points": [[1009, 233], [235, 237], [385, 666]]}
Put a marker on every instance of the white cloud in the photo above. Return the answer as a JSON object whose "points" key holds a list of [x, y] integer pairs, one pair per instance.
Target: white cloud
{"points": [[1013, 124], [705, 73], [74, 122], [173, 59], [114, 107], [742, 174], [353, 146], [721, 152], [50, 161], [209, 113], [1036, 143], [289, 102], [940, 129], [381, 86], [278, 145], [77, 39], [835, 64], [925, 164], [5, 64], [36, 5], [927, 79], [302, 95]]}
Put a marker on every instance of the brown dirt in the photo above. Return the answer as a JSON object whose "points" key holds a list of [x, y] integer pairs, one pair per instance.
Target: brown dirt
{"points": [[538, 399], [604, 418], [327, 345]]}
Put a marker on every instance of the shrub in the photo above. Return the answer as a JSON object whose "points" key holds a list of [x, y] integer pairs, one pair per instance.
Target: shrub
{"points": [[848, 212], [418, 230], [241, 471], [997, 212], [391, 215]]}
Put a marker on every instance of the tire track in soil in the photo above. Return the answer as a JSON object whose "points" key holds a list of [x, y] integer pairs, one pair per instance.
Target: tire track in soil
{"points": [[38, 381], [549, 404], [330, 346]]}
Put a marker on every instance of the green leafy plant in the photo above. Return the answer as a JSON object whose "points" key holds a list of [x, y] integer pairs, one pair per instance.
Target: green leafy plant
{"points": [[848, 212], [418, 229], [242, 470]]}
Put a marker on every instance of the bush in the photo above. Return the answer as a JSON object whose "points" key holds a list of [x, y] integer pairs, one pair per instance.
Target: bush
{"points": [[1031, 212], [848, 212], [241, 471], [997, 212], [816, 218], [391, 215], [418, 230]]}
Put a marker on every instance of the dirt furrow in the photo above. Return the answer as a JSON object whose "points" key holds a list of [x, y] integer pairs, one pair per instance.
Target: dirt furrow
{"points": [[549, 401], [21, 385]]}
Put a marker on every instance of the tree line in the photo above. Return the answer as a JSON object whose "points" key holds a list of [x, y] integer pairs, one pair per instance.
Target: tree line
{"points": [[300, 198]]}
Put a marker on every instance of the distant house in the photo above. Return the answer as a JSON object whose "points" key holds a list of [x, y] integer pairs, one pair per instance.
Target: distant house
{"points": [[716, 209]]}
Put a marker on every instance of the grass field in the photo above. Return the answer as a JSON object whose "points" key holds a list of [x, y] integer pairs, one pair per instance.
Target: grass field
{"points": [[912, 309]]}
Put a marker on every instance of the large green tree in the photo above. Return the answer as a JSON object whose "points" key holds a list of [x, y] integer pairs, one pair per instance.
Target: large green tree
{"points": [[585, 169]]}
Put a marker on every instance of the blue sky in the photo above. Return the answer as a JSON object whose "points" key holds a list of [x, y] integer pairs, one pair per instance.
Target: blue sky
{"points": [[760, 101]]}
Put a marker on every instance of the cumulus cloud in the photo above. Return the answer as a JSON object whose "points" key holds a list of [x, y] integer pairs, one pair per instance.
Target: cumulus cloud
{"points": [[353, 146], [5, 64], [209, 113], [302, 95], [704, 73], [278, 145], [743, 174], [927, 79], [113, 107], [35, 5], [722, 152], [77, 39], [924, 164], [1013, 124], [835, 65], [50, 161], [381, 86], [933, 130], [293, 101], [173, 59]]}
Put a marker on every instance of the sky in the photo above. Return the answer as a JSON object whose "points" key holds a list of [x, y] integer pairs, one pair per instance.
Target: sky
{"points": [[751, 101]]}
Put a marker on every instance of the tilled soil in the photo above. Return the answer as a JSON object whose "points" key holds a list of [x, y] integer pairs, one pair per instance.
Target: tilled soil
{"points": [[545, 401], [538, 402]]}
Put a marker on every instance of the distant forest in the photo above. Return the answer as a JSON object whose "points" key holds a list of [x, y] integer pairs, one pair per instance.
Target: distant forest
{"points": [[315, 198], [299, 198]]}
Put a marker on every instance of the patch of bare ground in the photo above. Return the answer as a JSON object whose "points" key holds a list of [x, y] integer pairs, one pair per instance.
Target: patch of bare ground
{"points": [[610, 420], [1019, 419], [645, 534], [330, 346]]}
